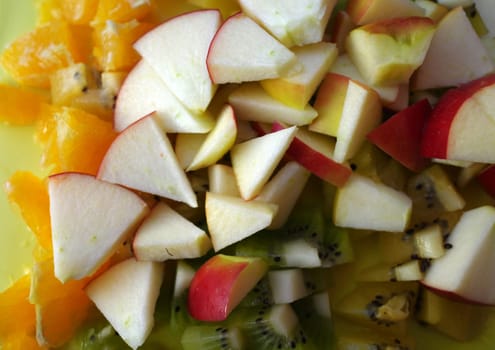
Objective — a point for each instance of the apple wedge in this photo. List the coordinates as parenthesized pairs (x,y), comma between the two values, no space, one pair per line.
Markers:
(462,124)
(243,51)
(142,158)
(297,90)
(466,270)
(368,11)
(284,190)
(365,204)
(400,135)
(187,146)
(89,219)
(218,142)
(177,51)
(221,283)
(144,92)
(129,308)
(314,152)
(387,52)
(231,219)
(221,179)
(255,160)
(251,102)
(166,235)
(294,23)
(468,58)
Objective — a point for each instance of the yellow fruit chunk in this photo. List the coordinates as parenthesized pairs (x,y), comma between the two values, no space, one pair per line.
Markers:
(122,10)
(30,194)
(78,11)
(113,44)
(60,308)
(21,341)
(31,58)
(19,106)
(17,315)
(73,140)
(48,11)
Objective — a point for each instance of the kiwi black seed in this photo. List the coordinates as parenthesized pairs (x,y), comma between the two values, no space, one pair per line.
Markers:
(212,337)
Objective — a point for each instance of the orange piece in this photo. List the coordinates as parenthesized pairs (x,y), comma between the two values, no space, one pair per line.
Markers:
(48,11)
(13,107)
(78,11)
(74,140)
(30,194)
(17,315)
(21,341)
(122,10)
(31,58)
(113,44)
(61,308)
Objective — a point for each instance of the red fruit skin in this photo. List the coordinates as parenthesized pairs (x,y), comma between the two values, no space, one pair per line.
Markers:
(437,127)
(210,290)
(400,136)
(453,296)
(487,180)
(317,163)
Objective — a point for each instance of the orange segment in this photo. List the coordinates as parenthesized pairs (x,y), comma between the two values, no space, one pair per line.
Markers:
(60,308)
(113,44)
(122,10)
(31,58)
(21,341)
(74,140)
(30,194)
(17,315)
(78,11)
(13,107)
(48,11)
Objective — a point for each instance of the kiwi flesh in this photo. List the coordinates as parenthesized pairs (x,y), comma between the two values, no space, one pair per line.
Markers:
(212,337)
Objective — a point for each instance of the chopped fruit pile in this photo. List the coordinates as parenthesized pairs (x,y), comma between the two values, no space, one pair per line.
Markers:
(252,174)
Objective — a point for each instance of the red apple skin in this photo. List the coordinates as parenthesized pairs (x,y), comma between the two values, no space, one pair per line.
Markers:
(487,180)
(453,296)
(400,135)
(317,163)
(437,127)
(210,292)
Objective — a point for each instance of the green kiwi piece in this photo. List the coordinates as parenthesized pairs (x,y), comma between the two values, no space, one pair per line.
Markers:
(212,337)
(385,306)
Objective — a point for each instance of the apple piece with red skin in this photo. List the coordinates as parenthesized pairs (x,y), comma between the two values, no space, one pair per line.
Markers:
(342,25)
(313,151)
(221,283)
(468,58)
(177,51)
(400,135)
(389,51)
(487,180)
(465,271)
(242,50)
(367,11)
(461,125)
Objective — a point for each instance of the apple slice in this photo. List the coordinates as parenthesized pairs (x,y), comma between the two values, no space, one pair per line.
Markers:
(89,219)
(187,146)
(177,51)
(367,11)
(243,51)
(365,204)
(432,9)
(231,219)
(486,178)
(314,152)
(296,90)
(284,190)
(342,26)
(293,23)
(468,58)
(462,125)
(255,160)
(142,158)
(466,270)
(221,179)
(218,142)
(400,135)
(143,92)
(166,235)
(130,307)
(251,102)
(221,283)
(387,52)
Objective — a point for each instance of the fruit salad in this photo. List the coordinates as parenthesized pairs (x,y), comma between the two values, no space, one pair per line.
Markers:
(250,174)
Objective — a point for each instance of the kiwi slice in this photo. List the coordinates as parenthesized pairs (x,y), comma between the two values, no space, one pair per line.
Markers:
(212,337)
